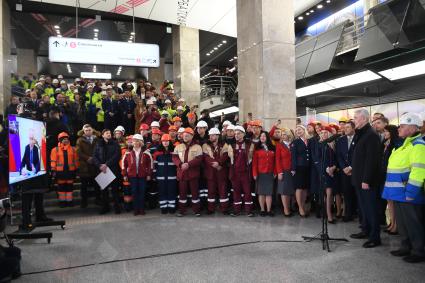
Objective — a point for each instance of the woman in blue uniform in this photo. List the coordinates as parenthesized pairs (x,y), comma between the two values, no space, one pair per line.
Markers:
(300,167)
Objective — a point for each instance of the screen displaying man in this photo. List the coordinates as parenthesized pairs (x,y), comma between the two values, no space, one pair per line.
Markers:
(31,160)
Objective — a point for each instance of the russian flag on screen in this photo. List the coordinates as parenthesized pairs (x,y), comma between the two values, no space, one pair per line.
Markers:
(14,145)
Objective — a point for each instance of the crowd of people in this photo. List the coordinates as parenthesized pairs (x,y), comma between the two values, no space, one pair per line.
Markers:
(163,154)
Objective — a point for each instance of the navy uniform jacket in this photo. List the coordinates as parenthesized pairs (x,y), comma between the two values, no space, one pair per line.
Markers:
(300,154)
(126,106)
(109,106)
(328,157)
(35,159)
(343,153)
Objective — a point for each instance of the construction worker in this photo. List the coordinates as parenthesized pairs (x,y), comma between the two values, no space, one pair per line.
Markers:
(128,197)
(64,164)
(165,174)
(119,133)
(215,161)
(188,158)
(405,186)
(240,155)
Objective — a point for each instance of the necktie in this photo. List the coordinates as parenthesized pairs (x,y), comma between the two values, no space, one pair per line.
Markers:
(31,158)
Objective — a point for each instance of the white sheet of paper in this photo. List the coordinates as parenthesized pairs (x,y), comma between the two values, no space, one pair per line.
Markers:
(104,179)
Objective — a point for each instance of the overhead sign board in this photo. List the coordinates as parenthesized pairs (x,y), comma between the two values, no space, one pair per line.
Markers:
(93,75)
(103,52)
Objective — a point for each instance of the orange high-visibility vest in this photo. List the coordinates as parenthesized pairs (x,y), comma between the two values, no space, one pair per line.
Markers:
(57,161)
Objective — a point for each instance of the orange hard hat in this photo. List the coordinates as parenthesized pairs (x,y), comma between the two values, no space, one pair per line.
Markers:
(191,115)
(172,128)
(63,135)
(175,119)
(256,123)
(144,127)
(165,137)
(189,131)
(156,131)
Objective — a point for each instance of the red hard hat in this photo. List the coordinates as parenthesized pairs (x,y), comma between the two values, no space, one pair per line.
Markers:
(166,137)
(189,131)
(144,127)
(156,131)
(172,128)
(63,135)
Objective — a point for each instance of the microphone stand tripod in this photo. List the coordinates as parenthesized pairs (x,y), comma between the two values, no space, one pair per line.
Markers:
(323,236)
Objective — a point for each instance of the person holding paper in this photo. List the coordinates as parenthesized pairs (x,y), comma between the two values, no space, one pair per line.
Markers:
(138,169)
(107,155)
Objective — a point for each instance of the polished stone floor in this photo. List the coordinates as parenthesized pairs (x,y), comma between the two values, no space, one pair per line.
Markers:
(157,248)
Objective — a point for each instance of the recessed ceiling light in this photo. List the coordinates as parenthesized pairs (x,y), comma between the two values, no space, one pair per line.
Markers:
(208,54)
(95,38)
(57,27)
(224,41)
(59,35)
(130,41)
(220,45)
(132,33)
(328,1)
(307,13)
(235,57)
(215,48)
(96,30)
(320,6)
(58,31)
(300,18)
(311,11)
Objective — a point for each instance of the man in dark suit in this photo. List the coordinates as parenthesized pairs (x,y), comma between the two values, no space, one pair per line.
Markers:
(31,159)
(126,108)
(110,107)
(365,177)
(344,152)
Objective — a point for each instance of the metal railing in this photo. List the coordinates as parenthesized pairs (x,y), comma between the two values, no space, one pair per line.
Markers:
(223,86)
(351,35)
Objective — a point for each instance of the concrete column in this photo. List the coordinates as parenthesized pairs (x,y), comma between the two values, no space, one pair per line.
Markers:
(27,61)
(157,75)
(186,64)
(367,4)
(5,58)
(266,61)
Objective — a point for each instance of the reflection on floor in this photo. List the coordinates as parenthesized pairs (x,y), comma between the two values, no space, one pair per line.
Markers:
(158,248)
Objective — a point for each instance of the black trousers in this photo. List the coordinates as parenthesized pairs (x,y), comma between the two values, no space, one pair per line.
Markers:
(27,199)
(368,204)
(113,187)
(349,193)
(10,261)
(88,182)
(409,219)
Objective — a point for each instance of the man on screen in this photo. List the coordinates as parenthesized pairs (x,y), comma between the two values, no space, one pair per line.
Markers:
(31,160)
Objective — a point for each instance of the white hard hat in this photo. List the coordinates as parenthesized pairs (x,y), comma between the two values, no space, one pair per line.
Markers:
(38,84)
(167,101)
(58,90)
(202,124)
(63,82)
(182,100)
(120,129)
(230,127)
(75,90)
(149,102)
(180,108)
(28,90)
(77,80)
(411,119)
(55,81)
(214,131)
(108,87)
(90,85)
(240,128)
(155,124)
(226,123)
(60,77)
(138,137)
(181,130)
(41,79)
(153,99)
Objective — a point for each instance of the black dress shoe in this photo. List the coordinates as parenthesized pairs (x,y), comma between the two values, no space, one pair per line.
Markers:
(371,244)
(360,235)
(332,221)
(414,258)
(270,213)
(43,219)
(392,233)
(399,253)
(263,213)
(287,215)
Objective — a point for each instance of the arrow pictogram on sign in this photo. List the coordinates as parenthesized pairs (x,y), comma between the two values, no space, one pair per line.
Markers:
(56,43)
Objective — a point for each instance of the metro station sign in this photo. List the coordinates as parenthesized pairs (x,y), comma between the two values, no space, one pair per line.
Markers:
(103,52)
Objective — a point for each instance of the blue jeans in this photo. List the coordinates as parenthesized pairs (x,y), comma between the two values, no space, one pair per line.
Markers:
(138,187)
